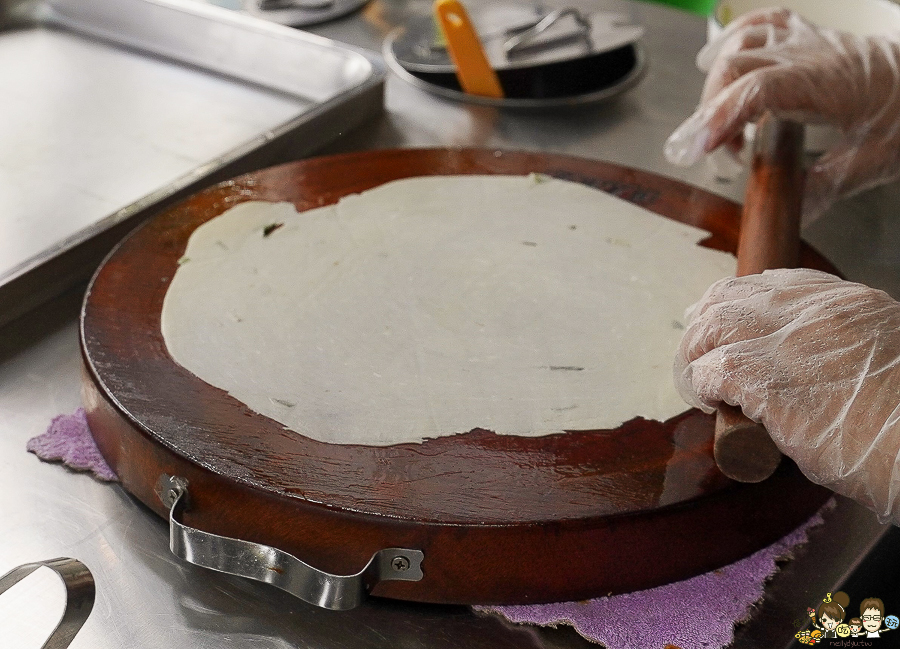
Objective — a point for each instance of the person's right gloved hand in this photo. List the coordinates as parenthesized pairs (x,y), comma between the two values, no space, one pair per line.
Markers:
(817,360)
(774,60)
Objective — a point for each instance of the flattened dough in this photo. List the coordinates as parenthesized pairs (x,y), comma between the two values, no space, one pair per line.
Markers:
(432,306)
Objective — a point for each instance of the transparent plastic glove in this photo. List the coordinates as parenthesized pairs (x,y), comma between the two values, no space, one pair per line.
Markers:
(775,60)
(817,360)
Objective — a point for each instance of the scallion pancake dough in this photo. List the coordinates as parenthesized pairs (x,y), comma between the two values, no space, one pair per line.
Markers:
(433,306)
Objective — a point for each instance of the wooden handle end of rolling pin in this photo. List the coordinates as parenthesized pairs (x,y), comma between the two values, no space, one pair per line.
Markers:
(769,238)
(743,449)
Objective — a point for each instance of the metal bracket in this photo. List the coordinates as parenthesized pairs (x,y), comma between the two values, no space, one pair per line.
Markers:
(273,566)
(80,592)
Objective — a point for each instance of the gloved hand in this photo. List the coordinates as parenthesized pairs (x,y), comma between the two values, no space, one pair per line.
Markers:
(817,360)
(775,60)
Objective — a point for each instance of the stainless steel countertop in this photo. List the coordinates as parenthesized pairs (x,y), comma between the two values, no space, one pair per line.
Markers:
(629,130)
(146,598)
(861,236)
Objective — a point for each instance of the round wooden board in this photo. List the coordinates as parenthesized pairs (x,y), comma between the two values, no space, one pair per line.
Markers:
(500,519)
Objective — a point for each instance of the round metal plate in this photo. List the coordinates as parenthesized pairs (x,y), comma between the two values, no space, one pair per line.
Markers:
(590,80)
(418,48)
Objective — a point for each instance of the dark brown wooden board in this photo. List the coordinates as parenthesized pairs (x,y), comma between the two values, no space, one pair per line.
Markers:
(500,519)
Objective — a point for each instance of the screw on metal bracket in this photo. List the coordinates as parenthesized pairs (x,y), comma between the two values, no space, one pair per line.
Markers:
(400,563)
(170,488)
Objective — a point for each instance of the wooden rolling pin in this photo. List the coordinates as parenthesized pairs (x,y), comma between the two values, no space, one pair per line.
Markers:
(769,238)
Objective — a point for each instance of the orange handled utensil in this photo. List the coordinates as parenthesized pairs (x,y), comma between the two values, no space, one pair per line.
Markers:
(475,74)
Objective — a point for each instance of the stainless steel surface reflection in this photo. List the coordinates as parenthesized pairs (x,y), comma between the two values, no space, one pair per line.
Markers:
(146,598)
(629,130)
(861,235)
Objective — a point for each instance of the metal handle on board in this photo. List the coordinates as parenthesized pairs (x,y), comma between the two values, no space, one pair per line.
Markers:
(273,566)
(80,592)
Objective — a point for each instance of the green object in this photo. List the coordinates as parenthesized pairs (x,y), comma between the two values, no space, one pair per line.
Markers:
(702,7)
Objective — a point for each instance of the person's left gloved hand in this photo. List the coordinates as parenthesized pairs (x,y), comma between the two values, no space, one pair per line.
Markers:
(814,358)
(774,60)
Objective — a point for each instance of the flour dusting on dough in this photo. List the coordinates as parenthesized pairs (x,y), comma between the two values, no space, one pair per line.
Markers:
(432,306)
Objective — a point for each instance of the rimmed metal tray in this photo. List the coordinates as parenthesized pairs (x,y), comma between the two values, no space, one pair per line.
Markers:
(114,109)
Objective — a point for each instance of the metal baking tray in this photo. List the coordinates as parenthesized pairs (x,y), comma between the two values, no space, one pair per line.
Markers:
(111,110)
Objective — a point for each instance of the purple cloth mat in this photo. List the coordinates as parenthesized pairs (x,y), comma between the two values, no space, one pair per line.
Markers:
(698,613)
(69,440)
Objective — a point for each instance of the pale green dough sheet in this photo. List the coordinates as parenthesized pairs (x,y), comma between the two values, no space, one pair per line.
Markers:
(432,306)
